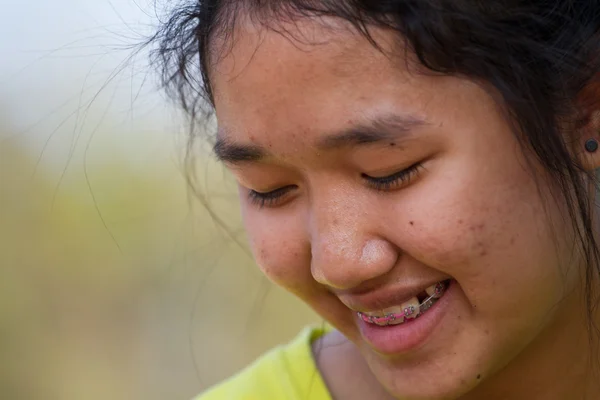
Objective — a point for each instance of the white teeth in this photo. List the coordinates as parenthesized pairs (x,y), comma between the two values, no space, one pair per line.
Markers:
(410,308)
(393,310)
(436,290)
(397,312)
(398,320)
(431,290)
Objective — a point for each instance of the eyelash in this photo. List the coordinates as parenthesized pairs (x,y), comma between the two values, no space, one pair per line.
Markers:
(393,181)
(268,199)
(386,183)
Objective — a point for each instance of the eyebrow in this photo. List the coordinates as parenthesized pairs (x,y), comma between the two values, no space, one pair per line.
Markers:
(384,128)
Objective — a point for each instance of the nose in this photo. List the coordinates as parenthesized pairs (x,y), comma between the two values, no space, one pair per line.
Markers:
(346,247)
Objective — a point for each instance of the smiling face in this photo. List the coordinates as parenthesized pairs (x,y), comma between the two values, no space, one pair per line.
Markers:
(363,181)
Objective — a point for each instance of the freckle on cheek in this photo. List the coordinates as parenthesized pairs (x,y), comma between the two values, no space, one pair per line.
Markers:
(478,227)
(412,222)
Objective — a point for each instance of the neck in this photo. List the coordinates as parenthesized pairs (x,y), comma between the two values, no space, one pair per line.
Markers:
(561,363)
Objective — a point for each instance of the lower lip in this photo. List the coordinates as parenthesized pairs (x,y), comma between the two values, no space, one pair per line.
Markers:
(402,338)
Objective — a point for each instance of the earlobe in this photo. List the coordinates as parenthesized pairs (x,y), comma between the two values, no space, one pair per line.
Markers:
(590,157)
(589,153)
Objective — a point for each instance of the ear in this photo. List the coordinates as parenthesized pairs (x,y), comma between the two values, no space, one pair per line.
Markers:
(587,125)
(588,158)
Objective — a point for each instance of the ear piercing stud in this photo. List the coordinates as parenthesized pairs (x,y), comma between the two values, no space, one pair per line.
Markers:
(591,145)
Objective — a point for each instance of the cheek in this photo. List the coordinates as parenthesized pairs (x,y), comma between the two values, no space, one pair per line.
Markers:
(279,246)
(456,236)
(497,243)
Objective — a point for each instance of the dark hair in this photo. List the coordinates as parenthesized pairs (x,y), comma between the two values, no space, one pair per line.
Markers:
(541,57)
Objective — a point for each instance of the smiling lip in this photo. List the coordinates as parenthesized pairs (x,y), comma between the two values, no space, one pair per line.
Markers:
(374,301)
(399,339)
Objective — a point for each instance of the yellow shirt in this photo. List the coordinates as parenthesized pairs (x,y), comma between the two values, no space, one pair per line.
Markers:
(285,373)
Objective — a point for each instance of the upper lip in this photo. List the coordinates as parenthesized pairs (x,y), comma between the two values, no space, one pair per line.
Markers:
(380,299)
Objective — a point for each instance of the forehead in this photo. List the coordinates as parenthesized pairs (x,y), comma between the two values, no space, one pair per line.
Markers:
(310,46)
(312,79)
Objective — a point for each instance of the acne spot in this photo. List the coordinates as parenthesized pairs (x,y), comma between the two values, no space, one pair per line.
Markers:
(487,332)
(460,221)
(478,227)
(481,249)
(513,240)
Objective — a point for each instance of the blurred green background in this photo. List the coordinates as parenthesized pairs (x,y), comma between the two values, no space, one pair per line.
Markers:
(115,282)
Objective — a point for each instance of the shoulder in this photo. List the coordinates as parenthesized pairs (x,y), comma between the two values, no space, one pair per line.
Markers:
(263,379)
(287,372)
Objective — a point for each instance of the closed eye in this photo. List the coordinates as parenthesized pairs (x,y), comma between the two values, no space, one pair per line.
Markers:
(394,181)
(397,180)
(269,199)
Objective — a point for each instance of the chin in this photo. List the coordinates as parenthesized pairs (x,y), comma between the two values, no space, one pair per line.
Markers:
(439,369)
(424,381)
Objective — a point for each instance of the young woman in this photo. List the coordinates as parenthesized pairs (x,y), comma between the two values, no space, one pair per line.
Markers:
(421,173)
